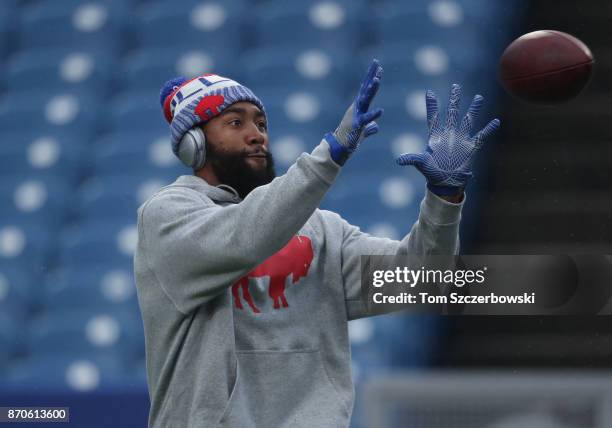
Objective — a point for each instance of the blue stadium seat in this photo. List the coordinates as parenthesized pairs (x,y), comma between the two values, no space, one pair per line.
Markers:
(49,110)
(86,331)
(98,242)
(53,154)
(424,62)
(281,95)
(60,68)
(8,28)
(98,25)
(148,68)
(195,24)
(9,334)
(143,139)
(281,125)
(361,5)
(504,12)
(139,371)
(439,21)
(407,342)
(301,68)
(115,156)
(404,104)
(25,245)
(367,198)
(31,208)
(425,22)
(301,111)
(8,7)
(333,25)
(53,374)
(116,197)
(67,237)
(109,290)
(136,110)
(36,199)
(287,144)
(17,296)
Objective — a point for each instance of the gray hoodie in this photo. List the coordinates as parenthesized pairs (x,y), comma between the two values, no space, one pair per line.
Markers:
(246,303)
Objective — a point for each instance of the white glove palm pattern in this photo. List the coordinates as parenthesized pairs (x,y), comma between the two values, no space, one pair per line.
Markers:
(447,161)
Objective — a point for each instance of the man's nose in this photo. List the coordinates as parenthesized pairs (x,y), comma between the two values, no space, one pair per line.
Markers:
(255,136)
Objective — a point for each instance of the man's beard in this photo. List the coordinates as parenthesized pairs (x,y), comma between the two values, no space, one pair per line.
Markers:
(234,170)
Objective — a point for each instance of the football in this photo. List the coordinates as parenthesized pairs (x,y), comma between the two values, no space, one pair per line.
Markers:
(546,67)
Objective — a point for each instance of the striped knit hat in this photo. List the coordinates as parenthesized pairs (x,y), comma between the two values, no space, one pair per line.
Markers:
(187,103)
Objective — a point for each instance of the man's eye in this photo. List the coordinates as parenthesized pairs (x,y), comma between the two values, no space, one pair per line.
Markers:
(263,125)
(235,122)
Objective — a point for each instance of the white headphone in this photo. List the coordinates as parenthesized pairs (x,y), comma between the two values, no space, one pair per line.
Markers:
(192,148)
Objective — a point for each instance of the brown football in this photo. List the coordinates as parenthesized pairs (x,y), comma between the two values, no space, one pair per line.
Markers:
(546,67)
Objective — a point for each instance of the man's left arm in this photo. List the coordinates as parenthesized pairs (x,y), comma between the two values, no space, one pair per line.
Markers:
(446,165)
(435,232)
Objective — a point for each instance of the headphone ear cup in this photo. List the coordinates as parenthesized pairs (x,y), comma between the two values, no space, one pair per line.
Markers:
(192,148)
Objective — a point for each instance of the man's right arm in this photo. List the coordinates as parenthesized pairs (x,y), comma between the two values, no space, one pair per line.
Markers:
(197,249)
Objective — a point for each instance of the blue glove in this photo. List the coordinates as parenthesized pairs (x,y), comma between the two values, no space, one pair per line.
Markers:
(357,123)
(447,161)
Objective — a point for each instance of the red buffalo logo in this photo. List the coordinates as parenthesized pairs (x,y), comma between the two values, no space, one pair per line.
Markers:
(210,103)
(293,259)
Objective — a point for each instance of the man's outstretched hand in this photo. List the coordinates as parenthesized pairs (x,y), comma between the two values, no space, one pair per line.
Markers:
(358,122)
(447,161)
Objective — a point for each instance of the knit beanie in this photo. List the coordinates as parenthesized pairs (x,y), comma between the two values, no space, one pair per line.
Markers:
(187,103)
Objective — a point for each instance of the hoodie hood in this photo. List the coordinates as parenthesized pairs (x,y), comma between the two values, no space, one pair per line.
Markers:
(220,193)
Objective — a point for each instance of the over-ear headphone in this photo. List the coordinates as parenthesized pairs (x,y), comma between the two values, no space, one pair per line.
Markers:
(192,148)
(196,101)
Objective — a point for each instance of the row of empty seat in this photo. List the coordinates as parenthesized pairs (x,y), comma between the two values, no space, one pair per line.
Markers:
(84,143)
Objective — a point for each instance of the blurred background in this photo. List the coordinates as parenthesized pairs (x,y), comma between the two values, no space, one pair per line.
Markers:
(83,143)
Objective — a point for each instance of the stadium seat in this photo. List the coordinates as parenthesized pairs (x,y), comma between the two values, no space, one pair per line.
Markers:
(407,341)
(141,152)
(368,199)
(37,199)
(194,24)
(302,112)
(97,25)
(505,12)
(9,333)
(337,26)
(62,373)
(424,62)
(361,5)
(404,104)
(17,296)
(119,153)
(301,68)
(116,197)
(287,143)
(49,111)
(148,68)
(84,70)
(25,245)
(426,22)
(86,331)
(52,154)
(75,287)
(32,208)
(85,143)
(8,29)
(143,139)
(94,243)
(135,110)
